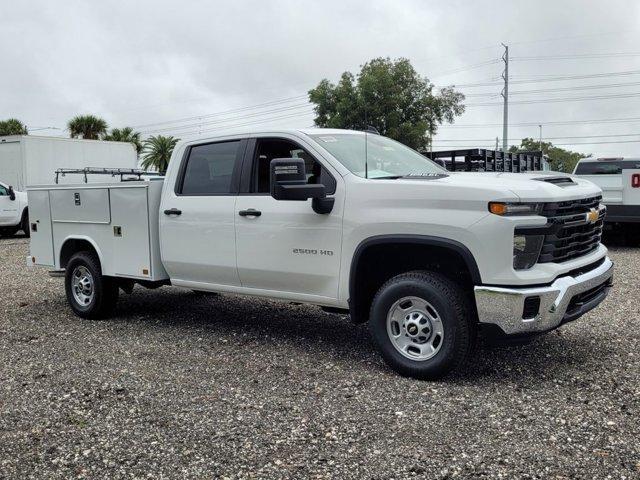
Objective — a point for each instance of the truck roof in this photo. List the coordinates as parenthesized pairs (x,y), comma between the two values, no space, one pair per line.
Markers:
(607,159)
(276,130)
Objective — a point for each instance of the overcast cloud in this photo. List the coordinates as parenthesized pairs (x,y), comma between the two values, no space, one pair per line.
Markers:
(145,62)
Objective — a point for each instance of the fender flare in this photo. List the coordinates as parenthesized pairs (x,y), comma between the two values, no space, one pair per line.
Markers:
(426,240)
(79,237)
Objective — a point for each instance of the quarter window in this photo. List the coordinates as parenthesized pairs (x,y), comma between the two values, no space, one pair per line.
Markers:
(209,169)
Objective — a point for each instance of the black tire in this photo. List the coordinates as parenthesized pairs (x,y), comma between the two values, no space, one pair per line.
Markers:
(632,235)
(203,293)
(24,224)
(8,231)
(454,311)
(105,289)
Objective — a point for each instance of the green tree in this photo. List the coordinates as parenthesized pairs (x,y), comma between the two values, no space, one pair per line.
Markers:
(88,127)
(12,126)
(156,152)
(560,160)
(390,96)
(125,134)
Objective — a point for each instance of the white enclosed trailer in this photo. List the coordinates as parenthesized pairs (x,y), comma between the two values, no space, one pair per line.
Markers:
(33,160)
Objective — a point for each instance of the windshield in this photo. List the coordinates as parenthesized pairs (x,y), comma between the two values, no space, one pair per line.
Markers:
(385,157)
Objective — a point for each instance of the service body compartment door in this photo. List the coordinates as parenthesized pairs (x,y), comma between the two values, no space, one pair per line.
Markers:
(130,230)
(84,205)
(41,244)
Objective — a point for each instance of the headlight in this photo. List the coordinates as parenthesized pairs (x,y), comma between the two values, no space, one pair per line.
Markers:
(526,250)
(508,209)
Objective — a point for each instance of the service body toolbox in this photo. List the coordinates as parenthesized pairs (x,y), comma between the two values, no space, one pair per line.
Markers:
(120,220)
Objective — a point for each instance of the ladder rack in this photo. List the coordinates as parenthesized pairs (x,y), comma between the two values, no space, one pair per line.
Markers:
(114,172)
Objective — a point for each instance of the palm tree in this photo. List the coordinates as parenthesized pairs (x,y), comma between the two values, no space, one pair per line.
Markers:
(13,126)
(157,151)
(125,134)
(88,127)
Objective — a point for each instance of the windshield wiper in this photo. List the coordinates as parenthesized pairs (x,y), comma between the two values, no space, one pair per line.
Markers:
(387,177)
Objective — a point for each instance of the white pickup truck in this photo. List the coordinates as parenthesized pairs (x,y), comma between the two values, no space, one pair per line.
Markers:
(14,214)
(350,221)
(619,179)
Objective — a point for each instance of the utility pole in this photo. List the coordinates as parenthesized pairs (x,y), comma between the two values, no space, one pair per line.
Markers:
(540,139)
(505,95)
(496,144)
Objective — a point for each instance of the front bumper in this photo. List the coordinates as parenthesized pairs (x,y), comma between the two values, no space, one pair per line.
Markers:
(564,300)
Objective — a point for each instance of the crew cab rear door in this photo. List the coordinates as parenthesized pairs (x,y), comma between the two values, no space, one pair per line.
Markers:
(285,246)
(197,214)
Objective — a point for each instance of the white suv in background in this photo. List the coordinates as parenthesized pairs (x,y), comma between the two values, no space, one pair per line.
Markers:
(14,214)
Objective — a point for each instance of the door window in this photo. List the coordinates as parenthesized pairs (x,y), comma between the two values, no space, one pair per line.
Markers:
(209,169)
(3,191)
(268,149)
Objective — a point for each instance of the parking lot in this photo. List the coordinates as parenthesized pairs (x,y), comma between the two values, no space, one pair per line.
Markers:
(179,385)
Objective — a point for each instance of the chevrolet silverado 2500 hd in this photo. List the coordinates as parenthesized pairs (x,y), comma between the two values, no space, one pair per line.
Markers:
(346,220)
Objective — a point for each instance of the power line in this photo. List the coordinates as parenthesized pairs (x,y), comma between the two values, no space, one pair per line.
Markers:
(197,117)
(449,147)
(232,119)
(492,83)
(555,100)
(553,122)
(254,122)
(546,138)
(465,69)
(577,87)
(579,56)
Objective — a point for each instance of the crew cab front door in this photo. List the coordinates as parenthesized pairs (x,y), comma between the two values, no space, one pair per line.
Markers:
(284,246)
(197,215)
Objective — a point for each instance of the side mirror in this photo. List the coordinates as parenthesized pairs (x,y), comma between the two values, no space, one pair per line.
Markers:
(12,194)
(289,182)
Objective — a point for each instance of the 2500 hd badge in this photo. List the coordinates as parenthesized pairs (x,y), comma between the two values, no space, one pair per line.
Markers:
(313,251)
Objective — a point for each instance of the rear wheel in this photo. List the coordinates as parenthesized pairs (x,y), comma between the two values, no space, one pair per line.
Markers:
(24,224)
(423,324)
(89,293)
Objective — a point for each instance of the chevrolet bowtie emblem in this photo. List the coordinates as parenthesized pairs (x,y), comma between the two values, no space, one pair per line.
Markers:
(592,215)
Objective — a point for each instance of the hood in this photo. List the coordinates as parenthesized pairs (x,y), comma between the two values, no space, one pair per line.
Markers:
(527,187)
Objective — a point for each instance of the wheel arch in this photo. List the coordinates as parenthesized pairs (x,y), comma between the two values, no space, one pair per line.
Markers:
(75,244)
(433,247)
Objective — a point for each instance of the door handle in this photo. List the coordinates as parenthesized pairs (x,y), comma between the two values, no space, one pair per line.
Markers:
(250,213)
(173,211)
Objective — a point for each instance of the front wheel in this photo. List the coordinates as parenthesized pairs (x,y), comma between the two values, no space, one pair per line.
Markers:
(8,231)
(423,324)
(89,293)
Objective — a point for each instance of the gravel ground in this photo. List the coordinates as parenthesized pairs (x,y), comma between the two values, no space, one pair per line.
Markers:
(181,386)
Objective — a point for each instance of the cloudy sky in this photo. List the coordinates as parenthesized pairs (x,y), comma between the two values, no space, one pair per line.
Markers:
(187,67)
